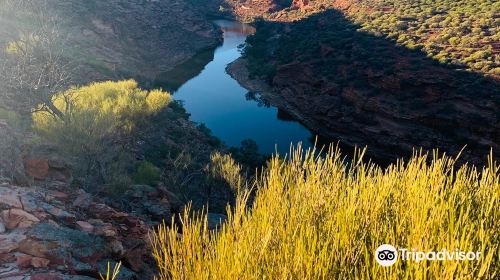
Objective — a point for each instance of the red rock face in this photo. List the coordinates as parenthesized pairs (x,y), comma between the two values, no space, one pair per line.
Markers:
(444,120)
(365,90)
(17,218)
(37,168)
(249,9)
(300,4)
(36,245)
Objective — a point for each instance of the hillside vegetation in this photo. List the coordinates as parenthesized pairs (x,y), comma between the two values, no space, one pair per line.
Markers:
(345,80)
(463,33)
(323,218)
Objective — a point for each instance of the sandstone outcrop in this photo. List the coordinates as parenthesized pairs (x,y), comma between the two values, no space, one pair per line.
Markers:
(37,241)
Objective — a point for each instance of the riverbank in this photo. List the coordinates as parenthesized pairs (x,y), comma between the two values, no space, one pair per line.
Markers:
(365,90)
(239,72)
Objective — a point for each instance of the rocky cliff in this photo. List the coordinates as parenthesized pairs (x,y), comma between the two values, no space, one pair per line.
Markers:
(54,227)
(48,234)
(126,39)
(363,89)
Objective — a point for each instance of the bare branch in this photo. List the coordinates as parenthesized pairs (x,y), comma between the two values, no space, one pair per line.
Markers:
(33,67)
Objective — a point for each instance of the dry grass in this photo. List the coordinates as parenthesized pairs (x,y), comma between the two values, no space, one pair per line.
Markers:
(323,218)
(111,275)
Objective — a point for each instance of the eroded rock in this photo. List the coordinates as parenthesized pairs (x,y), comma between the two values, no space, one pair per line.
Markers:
(53,234)
(37,168)
(18,218)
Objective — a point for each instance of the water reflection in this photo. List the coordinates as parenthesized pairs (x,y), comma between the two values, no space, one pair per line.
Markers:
(229,27)
(174,79)
(233,115)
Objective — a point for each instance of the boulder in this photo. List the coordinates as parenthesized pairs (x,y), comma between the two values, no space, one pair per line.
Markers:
(68,242)
(17,218)
(37,169)
(58,212)
(23,261)
(7,258)
(85,226)
(10,242)
(41,249)
(115,248)
(9,198)
(39,262)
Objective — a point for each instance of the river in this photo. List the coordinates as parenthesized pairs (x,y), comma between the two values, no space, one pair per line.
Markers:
(215,99)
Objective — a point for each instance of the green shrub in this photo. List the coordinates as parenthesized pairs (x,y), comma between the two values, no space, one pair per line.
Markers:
(12,118)
(98,120)
(147,174)
(248,154)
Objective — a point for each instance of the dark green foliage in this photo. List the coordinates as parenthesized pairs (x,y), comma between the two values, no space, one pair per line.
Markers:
(147,174)
(214,141)
(342,50)
(258,51)
(248,154)
(463,33)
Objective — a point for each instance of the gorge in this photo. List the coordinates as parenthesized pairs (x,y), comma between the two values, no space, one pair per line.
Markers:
(171,138)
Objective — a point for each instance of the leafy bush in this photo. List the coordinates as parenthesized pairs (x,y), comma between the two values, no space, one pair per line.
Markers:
(248,154)
(98,119)
(322,218)
(147,173)
(12,118)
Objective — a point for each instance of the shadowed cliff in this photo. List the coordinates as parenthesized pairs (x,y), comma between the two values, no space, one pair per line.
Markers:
(365,90)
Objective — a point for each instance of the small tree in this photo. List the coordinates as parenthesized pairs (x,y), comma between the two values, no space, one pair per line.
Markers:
(32,64)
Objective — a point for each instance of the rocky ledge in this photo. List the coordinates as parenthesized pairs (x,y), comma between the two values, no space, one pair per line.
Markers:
(51,229)
(358,118)
(55,234)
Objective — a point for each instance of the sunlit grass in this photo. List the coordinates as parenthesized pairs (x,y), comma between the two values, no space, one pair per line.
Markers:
(322,218)
(111,275)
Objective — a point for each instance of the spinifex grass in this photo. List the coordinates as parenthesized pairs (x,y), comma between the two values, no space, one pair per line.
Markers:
(322,218)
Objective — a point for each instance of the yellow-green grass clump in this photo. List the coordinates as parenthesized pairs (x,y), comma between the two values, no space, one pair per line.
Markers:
(323,218)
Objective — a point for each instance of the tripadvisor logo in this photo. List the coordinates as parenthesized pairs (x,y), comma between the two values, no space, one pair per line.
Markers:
(387,255)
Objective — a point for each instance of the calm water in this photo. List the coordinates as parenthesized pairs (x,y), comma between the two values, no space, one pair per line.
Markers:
(218,101)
